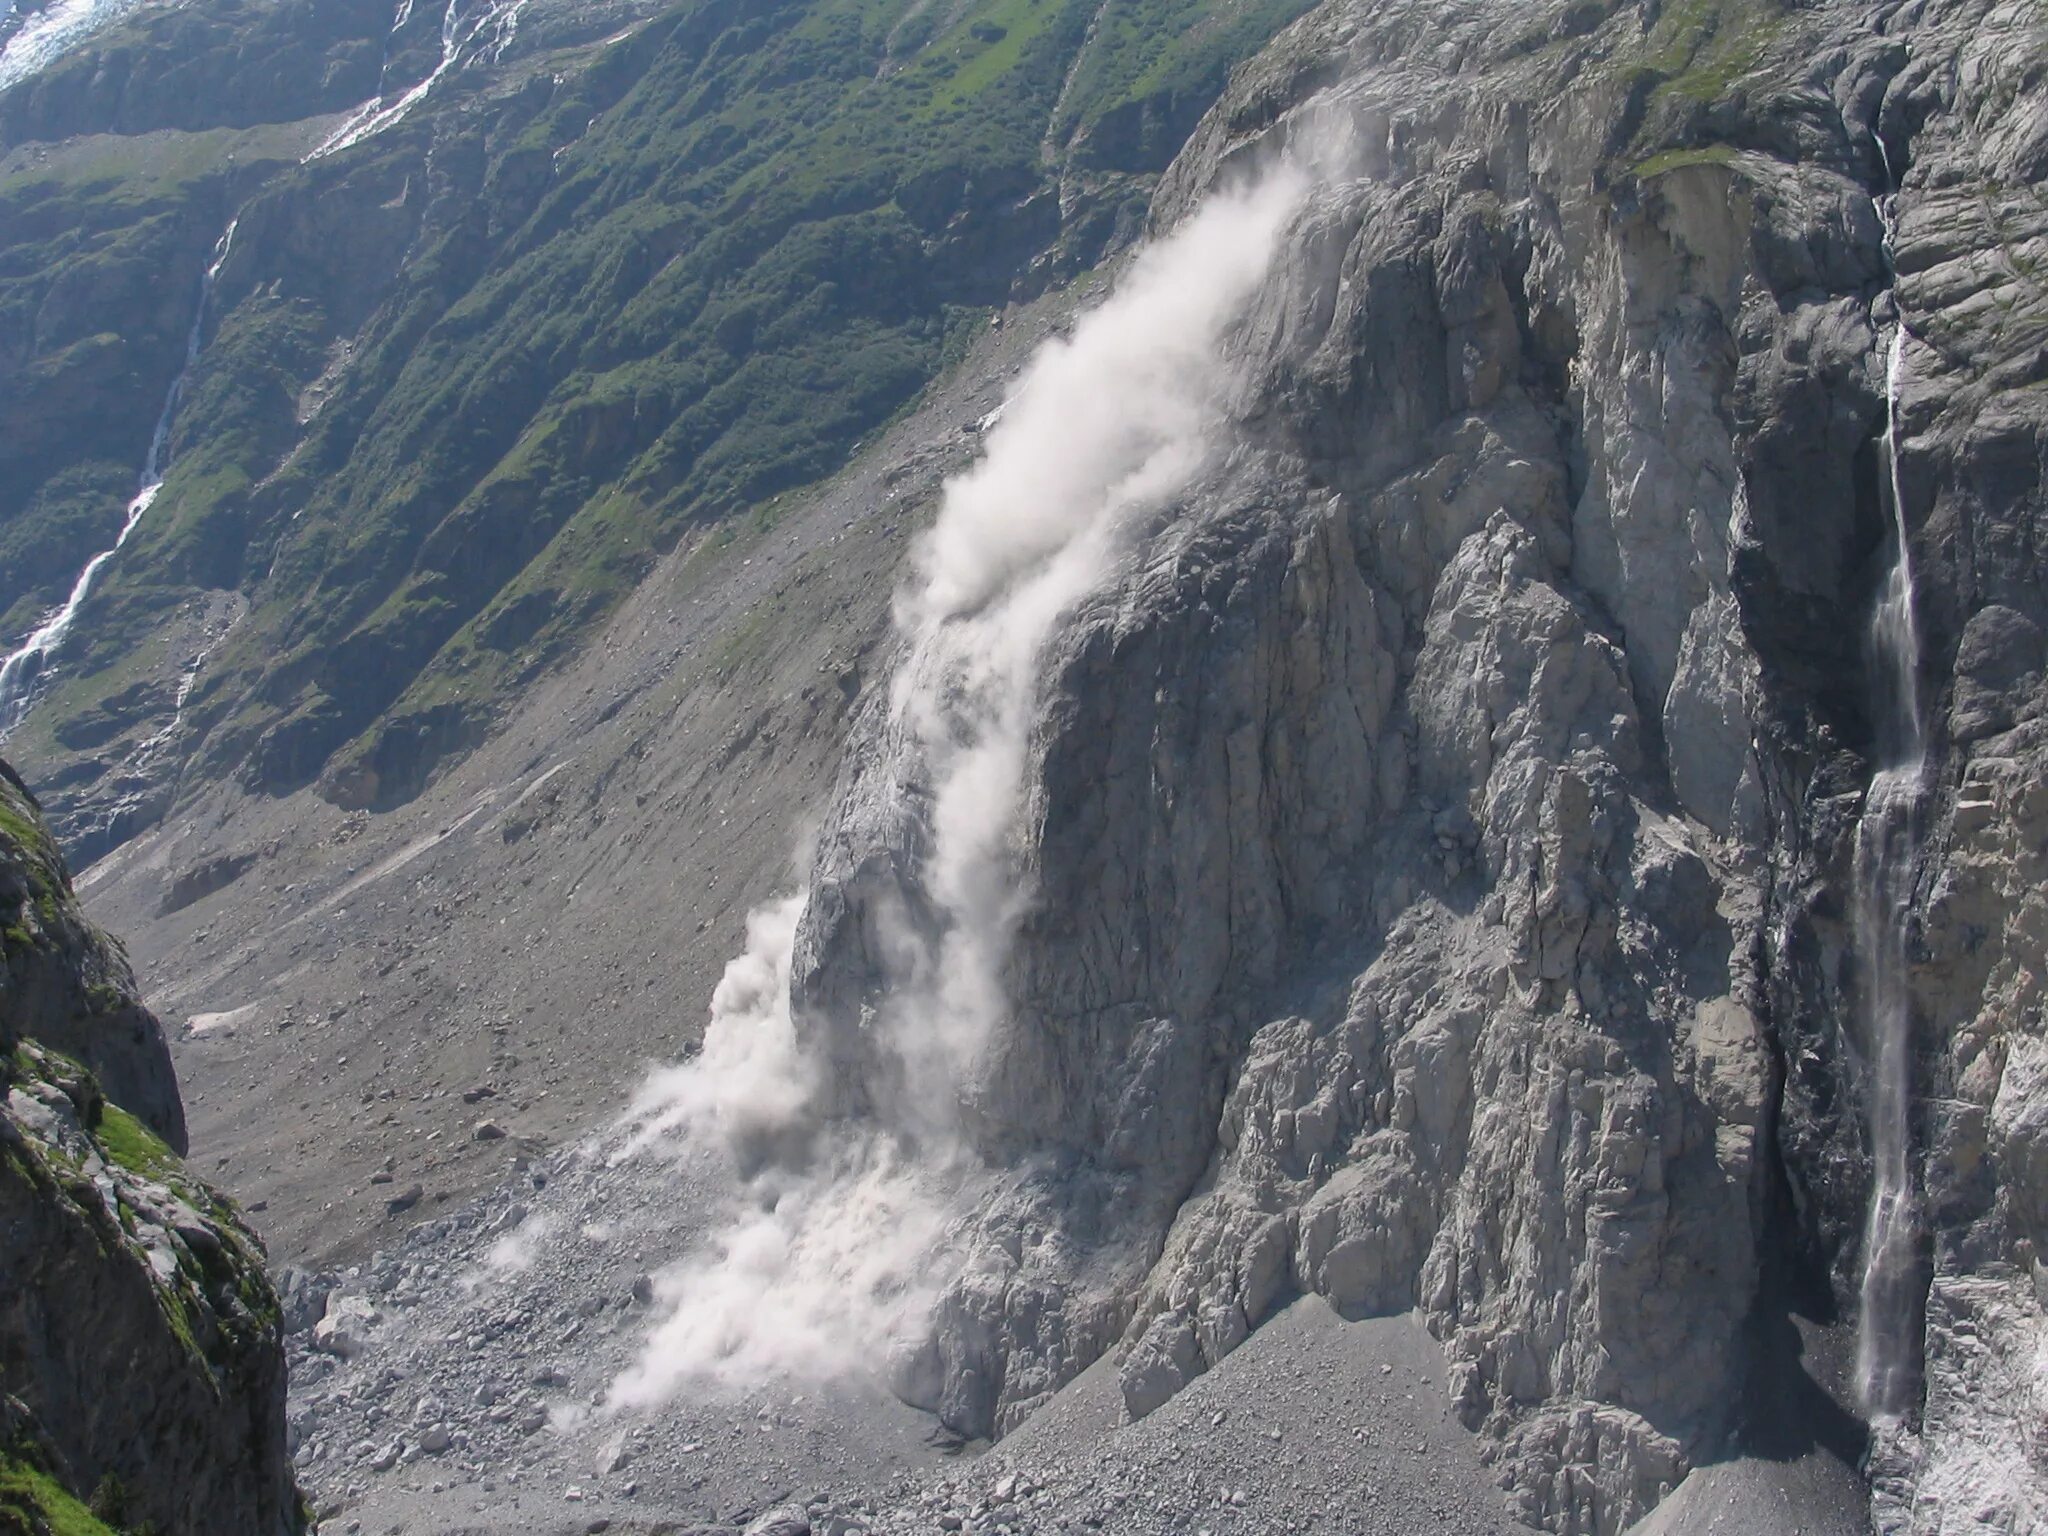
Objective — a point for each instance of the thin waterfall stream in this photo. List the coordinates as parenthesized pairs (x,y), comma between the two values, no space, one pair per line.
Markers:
(30,662)
(1888,836)
(457,33)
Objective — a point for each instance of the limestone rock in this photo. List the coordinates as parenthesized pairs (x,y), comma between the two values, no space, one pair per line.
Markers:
(1439,826)
(784,1520)
(347,1327)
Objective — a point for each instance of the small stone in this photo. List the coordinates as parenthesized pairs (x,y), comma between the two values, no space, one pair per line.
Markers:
(784,1520)
(487,1130)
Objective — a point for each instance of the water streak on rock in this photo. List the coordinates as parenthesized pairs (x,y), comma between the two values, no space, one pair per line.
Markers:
(1887,847)
(30,663)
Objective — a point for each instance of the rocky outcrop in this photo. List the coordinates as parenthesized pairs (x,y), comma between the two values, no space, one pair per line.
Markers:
(67,985)
(1440,826)
(141,1359)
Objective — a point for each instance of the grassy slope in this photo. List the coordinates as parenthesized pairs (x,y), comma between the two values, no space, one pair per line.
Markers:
(91,333)
(643,288)
(33,1503)
(725,283)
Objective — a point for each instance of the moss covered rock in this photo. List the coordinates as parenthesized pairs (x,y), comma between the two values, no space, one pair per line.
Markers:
(142,1373)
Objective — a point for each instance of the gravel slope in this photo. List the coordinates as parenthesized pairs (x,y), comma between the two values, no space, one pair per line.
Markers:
(461,1387)
(551,917)
(469,1398)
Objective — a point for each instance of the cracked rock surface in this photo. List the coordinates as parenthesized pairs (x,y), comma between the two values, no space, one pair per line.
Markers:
(1441,821)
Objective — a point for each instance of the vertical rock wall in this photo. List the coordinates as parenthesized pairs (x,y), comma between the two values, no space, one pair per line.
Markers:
(1441,825)
(141,1356)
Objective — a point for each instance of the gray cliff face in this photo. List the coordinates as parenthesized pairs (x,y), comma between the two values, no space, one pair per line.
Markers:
(1442,823)
(141,1358)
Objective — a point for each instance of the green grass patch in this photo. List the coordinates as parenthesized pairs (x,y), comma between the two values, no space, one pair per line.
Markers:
(127,1141)
(1679,159)
(982,48)
(141,168)
(1704,47)
(36,1504)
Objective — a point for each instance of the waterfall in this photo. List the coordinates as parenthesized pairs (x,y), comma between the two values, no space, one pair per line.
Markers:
(1887,847)
(155,746)
(28,665)
(376,115)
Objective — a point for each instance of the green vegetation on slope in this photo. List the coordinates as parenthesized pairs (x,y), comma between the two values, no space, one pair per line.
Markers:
(640,286)
(1153,67)
(1690,69)
(32,1503)
(127,1141)
(92,332)
(1703,47)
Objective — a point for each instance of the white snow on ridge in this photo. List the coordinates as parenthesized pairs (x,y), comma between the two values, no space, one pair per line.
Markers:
(50,33)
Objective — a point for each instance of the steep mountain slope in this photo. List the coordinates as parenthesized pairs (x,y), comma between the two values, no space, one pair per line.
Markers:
(141,1360)
(1448,819)
(575,285)
(551,915)
(1478,855)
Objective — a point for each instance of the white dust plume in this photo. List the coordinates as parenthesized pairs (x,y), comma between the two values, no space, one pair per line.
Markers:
(829,1262)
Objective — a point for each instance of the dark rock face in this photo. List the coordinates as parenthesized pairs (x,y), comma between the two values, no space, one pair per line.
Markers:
(68,986)
(1442,822)
(141,1358)
(204,878)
